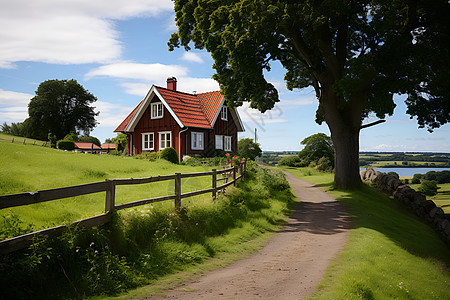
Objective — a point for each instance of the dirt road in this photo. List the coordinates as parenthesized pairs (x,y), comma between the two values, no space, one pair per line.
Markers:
(291,264)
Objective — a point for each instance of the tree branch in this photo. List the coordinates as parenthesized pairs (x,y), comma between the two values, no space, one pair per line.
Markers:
(372,124)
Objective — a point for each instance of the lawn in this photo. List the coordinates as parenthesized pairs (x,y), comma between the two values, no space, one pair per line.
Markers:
(26,168)
(391,254)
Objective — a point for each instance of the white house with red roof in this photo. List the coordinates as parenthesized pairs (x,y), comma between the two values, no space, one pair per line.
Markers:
(190,123)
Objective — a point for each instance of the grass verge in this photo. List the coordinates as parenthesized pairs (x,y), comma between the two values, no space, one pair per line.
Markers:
(391,254)
(147,244)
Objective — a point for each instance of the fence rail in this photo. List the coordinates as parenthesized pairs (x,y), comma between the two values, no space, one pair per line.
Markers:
(229,175)
(25,141)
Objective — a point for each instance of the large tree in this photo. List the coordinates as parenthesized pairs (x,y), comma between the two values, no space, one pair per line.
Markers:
(61,107)
(355,54)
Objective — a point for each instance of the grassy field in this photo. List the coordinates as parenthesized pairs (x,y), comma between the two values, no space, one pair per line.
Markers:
(149,244)
(26,168)
(442,199)
(21,140)
(390,254)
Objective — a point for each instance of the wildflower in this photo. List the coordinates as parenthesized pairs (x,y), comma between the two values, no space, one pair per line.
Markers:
(228,154)
(92,244)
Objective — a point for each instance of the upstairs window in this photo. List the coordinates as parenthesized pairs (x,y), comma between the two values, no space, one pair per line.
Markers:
(224,113)
(157,110)
(197,141)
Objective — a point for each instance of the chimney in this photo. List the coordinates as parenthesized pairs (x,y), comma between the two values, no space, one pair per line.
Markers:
(172,83)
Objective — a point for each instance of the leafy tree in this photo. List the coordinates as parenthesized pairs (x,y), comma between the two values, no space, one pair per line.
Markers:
(121,141)
(72,136)
(355,54)
(249,149)
(428,187)
(60,107)
(317,146)
(90,139)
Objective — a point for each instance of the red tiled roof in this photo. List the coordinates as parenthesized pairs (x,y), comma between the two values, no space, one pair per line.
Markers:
(186,107)
(86,146)
(192,110)
(210,104)
(108,146)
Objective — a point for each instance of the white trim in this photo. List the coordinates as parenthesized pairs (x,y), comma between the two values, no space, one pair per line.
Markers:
(144,105)
(218,112)
(224,113)
(195,140)
(227,142)
(165,141)
(216,145)
(154,106)
(152,141)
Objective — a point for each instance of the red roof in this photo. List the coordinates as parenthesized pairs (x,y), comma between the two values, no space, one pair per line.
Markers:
(193,110)
(108,146)
(86,146)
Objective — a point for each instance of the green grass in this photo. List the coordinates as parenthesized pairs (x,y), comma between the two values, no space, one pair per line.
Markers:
(21,140)
(26,168)
(149,244)
(442,199)
(391,254)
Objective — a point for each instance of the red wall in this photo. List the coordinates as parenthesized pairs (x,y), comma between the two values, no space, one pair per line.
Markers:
(168,123)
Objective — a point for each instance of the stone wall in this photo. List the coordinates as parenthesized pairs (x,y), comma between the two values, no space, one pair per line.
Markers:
(416,201)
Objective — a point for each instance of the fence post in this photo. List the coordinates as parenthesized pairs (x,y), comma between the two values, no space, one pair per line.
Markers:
(110,196)
(234,175)
(214,183)
(245,169)
(177,191)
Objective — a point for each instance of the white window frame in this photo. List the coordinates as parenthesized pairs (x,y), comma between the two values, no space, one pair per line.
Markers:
(156,110)
(227,143)
(219,142)
(224,113)
(150,143)
(163,145)
(197,139)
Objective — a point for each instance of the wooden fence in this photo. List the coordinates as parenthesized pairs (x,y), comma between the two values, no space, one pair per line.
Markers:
(25,141)
(229,176)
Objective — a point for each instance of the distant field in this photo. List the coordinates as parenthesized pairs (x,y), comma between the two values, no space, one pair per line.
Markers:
(398,163)
(442,199)
(25,168)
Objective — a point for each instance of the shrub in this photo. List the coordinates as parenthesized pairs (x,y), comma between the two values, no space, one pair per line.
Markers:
(66,145)
(151,156)
(428,187)
(324,164)
(395,174)
(289,161)
(169,154)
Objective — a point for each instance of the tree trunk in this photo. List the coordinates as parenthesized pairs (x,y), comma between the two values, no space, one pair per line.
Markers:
(346,158)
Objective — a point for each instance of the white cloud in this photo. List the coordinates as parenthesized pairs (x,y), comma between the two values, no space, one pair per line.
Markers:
(14,98)
(66,32)
(254,118)
(13,114)
(192,57)
(111,114)
(144,75)
(151,72)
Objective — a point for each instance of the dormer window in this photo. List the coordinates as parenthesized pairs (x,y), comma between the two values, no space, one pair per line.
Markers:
(157,110)
(224,113)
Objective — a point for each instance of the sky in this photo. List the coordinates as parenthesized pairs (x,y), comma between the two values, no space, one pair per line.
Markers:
(117,49)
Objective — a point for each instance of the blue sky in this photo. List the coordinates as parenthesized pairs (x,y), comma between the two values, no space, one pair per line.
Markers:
(118,49)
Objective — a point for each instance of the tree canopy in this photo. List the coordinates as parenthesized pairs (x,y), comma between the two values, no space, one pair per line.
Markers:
(249,149)
(60,107)
(355,54)
(317,146)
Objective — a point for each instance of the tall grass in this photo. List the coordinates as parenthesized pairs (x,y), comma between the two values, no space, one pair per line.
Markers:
(149,242)
(391,254)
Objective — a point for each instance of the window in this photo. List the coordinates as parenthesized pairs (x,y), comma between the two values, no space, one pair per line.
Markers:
(164,139)
(197,140)
(224,113)
(219,142)
(227,143)
(157,110)
(148,142)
